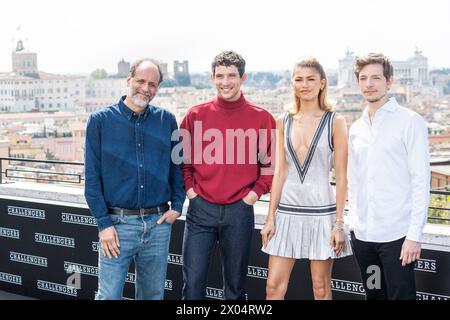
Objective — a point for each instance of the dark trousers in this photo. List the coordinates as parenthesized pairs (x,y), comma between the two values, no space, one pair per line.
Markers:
(395,281)
(208,224)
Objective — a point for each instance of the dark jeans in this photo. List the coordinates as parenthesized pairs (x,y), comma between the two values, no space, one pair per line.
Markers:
(207,224)
(396,282)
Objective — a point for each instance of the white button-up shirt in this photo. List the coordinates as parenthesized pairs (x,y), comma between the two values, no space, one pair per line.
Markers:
(389,175)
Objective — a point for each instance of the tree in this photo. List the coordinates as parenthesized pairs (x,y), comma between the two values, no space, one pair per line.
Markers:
(439,208)
(49,155)
(168,83)
(99,74)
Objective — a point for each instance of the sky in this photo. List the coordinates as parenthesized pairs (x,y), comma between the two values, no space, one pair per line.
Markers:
(80,36)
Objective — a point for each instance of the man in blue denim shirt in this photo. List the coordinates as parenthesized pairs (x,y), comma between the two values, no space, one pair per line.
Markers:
(130,178)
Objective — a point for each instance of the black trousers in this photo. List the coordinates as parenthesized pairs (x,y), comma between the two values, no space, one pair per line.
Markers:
(382,273)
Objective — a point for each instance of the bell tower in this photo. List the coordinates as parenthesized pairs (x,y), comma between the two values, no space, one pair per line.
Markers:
(24,62)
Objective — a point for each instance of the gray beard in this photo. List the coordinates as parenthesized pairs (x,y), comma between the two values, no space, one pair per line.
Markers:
(138,102)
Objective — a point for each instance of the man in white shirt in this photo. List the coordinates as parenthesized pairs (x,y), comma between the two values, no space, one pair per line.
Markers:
(389,181)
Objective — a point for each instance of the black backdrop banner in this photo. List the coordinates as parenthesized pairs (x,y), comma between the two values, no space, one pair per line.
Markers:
(49,251)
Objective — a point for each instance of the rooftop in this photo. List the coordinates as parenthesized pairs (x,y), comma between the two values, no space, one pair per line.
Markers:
(445,169)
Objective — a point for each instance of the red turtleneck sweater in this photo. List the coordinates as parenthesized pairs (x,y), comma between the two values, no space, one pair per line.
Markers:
(225,137)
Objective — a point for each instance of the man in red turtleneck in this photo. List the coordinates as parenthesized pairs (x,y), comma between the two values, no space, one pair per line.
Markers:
(227,167)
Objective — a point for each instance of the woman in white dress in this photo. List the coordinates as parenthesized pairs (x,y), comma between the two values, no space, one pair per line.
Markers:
(305,219)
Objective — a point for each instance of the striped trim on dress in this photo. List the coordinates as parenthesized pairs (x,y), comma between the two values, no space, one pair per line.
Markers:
(307,210)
